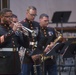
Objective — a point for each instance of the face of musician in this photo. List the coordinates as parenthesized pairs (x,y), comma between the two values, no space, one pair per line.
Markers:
(31,14)
(15,19)
(44,20)
(6,17)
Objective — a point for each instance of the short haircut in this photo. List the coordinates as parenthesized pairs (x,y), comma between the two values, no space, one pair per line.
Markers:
(31,7)
(43,15)
(3,11)
(14,16)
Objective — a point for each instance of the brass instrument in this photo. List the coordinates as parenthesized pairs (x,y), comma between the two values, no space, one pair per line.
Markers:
(55,41)
(43,58)
(25,29)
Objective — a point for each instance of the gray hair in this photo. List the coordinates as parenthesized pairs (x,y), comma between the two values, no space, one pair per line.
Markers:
(31,7)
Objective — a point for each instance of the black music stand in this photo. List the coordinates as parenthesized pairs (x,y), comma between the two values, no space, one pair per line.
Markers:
(61,17)
(71,52)
(67,43)
(56,50)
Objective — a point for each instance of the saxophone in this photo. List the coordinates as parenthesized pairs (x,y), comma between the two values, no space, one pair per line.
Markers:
(43,58)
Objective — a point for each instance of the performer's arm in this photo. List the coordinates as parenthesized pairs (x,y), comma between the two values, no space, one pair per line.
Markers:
(4,37)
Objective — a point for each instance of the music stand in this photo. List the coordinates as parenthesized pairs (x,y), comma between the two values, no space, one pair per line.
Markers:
(56,50)
(71,52)
(61,17)
(67,43)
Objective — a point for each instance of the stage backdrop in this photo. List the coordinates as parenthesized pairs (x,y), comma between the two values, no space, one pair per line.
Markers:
(44,6)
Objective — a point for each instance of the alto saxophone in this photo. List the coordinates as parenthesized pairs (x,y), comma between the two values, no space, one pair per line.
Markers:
(43,58)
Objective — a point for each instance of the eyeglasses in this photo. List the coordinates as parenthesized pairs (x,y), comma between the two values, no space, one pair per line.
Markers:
(33,14)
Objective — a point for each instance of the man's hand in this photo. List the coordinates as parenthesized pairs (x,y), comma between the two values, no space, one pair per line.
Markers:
(49,47)
(16,26)
(35,57)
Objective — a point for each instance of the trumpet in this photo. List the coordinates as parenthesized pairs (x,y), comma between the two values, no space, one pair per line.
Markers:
(25,29)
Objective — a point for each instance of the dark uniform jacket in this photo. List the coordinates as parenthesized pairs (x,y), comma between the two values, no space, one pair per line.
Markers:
(47,36)
(9,60)
(32,39)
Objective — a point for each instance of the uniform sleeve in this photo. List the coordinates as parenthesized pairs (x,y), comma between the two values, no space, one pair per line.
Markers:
(22,39)
(25,41)
(51,38)
(6,36)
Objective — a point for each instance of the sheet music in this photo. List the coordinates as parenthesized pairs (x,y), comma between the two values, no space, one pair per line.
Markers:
(52,48)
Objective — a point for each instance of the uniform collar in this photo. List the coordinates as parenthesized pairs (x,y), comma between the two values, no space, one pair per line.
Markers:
(28,20)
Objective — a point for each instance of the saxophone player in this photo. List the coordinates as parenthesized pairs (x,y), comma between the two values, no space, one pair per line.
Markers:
(48,34)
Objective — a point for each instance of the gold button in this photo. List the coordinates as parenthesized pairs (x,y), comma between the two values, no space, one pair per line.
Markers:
(8,28)
(29,21)
(12,38)
(13,41)
(45,35)
(3,56)
(9,33)
(14,49)
(31,24)
(12,31)
(33,40)
(51,57)
(13,45)
(31,27)
(42,27)
(44,32)
(5,25)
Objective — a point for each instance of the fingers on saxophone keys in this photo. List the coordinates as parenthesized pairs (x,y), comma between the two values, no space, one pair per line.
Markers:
(47,48)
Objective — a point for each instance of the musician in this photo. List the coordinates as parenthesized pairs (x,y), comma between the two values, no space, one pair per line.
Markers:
(48,36)
(29,59)
(10,40)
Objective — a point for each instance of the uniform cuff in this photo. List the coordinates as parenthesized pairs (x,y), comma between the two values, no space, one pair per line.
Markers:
(9,34)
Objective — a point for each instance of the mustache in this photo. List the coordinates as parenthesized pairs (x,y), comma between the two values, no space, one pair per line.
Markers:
(6,21)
